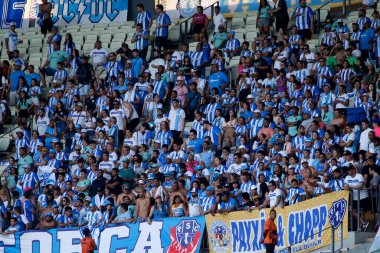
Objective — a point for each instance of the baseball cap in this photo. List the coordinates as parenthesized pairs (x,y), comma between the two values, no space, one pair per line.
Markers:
(48,214)
(52,151)
(249,96)
(193,190)
(151,176)
(232,32)
(198,167)
(210,188)
(12,23)
(87,198)
(257,111)
(180,78)
(253,187)
(339,21)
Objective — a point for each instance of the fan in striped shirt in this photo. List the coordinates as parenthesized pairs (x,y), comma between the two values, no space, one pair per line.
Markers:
(295,193)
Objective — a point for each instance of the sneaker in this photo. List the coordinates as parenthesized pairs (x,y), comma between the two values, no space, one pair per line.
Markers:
(365,226)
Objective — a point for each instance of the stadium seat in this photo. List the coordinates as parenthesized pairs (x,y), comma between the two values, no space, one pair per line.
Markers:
(239,36)
(34,49)
(91,38)
(250,36)
(105,37)
(87,48)
(130,23)
(78,38)
(113,24)
(119,37)
(237,23)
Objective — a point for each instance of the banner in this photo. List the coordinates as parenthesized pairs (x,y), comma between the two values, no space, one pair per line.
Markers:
(172,235)
(305,226)
(65,12)
(234,6)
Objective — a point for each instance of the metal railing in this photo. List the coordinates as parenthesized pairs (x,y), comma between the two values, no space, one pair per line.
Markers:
(373,210)
(184,31)
(317,14)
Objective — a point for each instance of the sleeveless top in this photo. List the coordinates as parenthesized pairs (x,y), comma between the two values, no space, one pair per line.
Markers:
(178,211)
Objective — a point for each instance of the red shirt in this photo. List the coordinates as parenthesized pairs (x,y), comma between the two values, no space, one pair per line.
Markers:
(199,19)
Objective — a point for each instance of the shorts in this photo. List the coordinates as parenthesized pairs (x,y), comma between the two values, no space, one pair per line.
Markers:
(305,33)
(48,71)
(198,28)
(23,114)
(83,90)
(365,204)
(263,22)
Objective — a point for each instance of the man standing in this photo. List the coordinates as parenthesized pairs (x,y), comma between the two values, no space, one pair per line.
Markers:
(87,243)
(281,13)
(162,28)
(140,39)
(44,16)
(270,236)
(218,20)
(11,40)
(304,17)
(177,121)
(143,17)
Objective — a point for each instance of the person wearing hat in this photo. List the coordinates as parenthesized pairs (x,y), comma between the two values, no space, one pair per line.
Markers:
(195,204)
(54,37)
(232,45)
(220,37)
(160,86)
(209,202)
(46,222)
(11,40)
(337,182)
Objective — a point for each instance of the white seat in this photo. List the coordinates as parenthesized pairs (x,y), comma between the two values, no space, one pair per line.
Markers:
(35,42)
(240,37)
(91,38)
(130,23)
(34,49)
(87,26)
(105,37)
(119,37)
(250,28)
(114,46)
(113,24)
(237,22)
(87,48)
(250,36)
(78,38)
(174,35)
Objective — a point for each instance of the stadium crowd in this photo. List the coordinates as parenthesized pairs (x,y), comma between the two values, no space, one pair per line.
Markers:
(111,145)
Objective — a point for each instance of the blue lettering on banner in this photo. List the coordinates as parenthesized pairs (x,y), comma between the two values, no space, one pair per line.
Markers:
(246,234)
(65,12)
(130,238)
(303,225)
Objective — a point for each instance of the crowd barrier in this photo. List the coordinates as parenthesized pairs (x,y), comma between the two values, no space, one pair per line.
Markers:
(301,227)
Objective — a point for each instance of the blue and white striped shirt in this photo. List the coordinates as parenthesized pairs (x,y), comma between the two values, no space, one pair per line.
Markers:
(303,22)
(144,18)
(361,22)
(254,126)
(163,19)
(141,43)
(208,202)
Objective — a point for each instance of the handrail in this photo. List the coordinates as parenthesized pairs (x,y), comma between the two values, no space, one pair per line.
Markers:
(212,6)
(317,12)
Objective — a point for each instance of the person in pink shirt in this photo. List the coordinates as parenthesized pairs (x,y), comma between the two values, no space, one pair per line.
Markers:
(181,89)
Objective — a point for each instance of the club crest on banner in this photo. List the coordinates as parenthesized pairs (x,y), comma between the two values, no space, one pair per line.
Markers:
(185,236)
(187,8)
(219,236)
(337,212)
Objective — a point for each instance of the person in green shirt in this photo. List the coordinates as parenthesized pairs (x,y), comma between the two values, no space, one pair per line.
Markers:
(23,160)
(326,114)
(127,174)
(50,66)
(351,59)
(84,183)
(293,121)
(220,38)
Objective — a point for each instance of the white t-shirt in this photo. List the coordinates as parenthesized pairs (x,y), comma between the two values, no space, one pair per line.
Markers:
(343,97)
(283,54)
(272,195)
(176,119)
(310,58)
(218,20)
(99,56)
(354,182)
(156,62)
(131,142)
(42,124)
(119,114)
(235,168)
(12,40)
(364,141)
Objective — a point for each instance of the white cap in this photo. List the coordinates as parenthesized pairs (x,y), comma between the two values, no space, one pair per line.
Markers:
(189,174)
(12,23)
(241,146)
(257,111)
(253,187)
(249,96)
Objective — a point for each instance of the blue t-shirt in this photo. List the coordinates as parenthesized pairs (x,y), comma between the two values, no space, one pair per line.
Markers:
(365,38)
(15,75)
(29,78)
(136,66)
(217,80)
